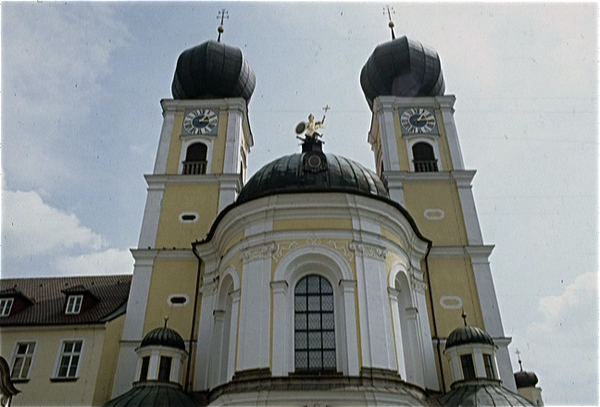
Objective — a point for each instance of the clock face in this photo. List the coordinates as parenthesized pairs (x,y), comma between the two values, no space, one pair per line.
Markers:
(418,120)
(200,121)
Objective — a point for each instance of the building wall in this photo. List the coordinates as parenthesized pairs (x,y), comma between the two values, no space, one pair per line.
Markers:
(40,389)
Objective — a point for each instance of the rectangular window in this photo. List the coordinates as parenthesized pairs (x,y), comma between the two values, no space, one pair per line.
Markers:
(490,373)
(22,361)
(74,304)
(144,371)
(164,369)
(467,367)
(5,306)
(69,359)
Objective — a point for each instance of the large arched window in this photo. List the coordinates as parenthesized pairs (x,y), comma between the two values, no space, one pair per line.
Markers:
(314,327)
(424,157)
(195,159)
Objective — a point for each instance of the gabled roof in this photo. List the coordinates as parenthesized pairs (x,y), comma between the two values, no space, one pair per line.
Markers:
(49,295)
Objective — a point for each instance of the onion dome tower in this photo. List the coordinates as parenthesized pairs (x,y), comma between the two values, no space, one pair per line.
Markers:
(526,385)
(158,378)
(402,67)
(471,354)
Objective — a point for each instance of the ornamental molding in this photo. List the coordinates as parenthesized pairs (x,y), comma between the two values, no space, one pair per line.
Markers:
(210,288)
(342,248)
(417,281)
(258,252)
(369,251)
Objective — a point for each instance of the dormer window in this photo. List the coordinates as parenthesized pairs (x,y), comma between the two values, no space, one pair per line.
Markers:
(74,304)
(5,306)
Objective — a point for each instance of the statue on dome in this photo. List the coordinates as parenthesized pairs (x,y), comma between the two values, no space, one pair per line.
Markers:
(310,128)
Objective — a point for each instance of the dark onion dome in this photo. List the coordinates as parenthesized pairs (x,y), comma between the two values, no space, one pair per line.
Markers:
(312,171)
(482,395)
(153,395)
(402,67)
(163,337)
(525,379)
(212,70)
(468,334)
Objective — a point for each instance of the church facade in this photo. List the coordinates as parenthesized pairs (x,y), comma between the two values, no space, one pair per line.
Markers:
(316,281)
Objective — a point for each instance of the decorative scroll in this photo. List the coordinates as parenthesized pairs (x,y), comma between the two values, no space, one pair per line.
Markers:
(282,250)
(258,252)
(342,249)
(369,251)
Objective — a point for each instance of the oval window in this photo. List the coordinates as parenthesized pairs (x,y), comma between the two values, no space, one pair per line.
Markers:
(188,217)
(178,300)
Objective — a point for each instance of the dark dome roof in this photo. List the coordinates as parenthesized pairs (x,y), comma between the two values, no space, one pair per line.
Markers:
(468,334)
(482,395)
(163,337)
(312,171)
(153,395)
(525,379)
(402,67)
(212,70)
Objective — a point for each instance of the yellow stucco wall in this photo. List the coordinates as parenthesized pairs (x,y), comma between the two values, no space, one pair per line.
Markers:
(454,277)
(419,196)
(312,224)
(171,276)
(203,199)
(40,390)
(108,362)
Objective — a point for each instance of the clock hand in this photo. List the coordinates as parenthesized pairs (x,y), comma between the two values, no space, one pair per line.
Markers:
(422,117)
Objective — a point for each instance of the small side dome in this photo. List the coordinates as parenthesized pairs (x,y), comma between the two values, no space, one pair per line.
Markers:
(402,67)
(468,334)
(213,70)
(163,337)
(525,379)
(157,394)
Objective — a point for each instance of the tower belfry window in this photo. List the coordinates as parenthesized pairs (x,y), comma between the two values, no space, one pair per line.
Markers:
(424,158)
(195,159)
(314,328)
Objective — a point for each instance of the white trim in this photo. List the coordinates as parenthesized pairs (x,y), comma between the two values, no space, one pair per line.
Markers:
(432,140)
(451,302)
(183,304)
(59,355)
(72,301)
(434,214)
(4,308)
(187,141)
(195,214)
(14,357)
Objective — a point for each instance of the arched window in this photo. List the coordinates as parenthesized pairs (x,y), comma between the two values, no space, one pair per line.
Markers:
(195,159)
(314,333)
(424,158)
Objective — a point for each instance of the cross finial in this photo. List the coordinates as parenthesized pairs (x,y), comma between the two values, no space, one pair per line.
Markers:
(464,317)
(389,11)
(518,352)
(222,14)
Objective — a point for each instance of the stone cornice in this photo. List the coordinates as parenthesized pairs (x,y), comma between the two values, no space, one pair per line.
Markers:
(159,181)
(439,252)
(396,178)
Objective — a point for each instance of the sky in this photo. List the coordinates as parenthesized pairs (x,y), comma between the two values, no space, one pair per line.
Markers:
(82,82)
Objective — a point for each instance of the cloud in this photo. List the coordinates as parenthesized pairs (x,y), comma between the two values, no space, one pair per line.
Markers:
(111,261)
(32,227)
(49,96)
(563,344)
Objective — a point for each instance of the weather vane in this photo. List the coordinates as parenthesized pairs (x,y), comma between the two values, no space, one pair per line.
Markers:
(222,14)
(389,11)
(310,128)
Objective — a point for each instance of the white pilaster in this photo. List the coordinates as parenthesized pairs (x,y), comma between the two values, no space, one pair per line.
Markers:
(447,109)
(217,345)
(255,310)
(384,112)
(348,291)
(375,315)
(205,332)
(232,142)
(429,369)
(467,203)
(393,293)
(279,367)
(415,370)
(160,165)
(233,340)
(151,214)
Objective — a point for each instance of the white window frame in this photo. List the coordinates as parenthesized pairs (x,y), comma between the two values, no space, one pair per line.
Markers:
(431,139)
(188,140)
(16,355)
(74,307)
(5,306)
(62,353)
